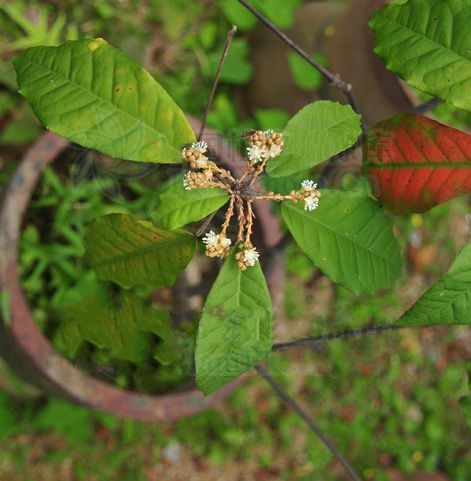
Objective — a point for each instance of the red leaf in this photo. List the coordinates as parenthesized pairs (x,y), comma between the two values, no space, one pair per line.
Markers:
(415,163)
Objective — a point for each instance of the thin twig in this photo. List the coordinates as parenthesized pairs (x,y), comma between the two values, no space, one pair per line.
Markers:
(426,106)
(230,35)
(333,78)
(362,331)
(204,225)
(241,217)
(229,214)
(258,171)
(305,417)
(249,221)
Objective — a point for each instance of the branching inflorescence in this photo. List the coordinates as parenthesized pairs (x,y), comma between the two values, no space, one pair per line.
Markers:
(261,147)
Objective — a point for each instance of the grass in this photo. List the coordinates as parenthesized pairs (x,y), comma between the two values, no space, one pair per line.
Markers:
(385,400)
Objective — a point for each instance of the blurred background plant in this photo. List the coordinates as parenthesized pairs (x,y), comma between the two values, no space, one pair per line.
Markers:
(390,401)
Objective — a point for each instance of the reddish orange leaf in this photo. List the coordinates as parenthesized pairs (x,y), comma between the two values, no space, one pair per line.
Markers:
(415,163)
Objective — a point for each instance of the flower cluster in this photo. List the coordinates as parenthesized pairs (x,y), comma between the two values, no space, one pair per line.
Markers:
(261,147)
(309,194)
(247,257)
(197,180)
(194,155)
(203,171)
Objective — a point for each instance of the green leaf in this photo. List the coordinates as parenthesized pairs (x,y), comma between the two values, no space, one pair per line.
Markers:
(90,313)
(237,14)
(235,330)
(94,95)
(280,12)
(448,302)
(317,132)
(305,76)
(349,238)
(134,253)
(428,44)
(177,207)
(236,69)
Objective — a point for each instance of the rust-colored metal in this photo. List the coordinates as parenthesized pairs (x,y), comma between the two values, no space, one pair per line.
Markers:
(29,354)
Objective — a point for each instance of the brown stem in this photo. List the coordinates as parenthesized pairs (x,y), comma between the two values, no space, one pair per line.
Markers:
(258,171)
(248,169)
(275,197)
(229,214)
(230,35)
(240,216)
(291,402)
(249,221)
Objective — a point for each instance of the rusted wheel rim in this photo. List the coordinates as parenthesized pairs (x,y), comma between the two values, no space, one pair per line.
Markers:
(30,354)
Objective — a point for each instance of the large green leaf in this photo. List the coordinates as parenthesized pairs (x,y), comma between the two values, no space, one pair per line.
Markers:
(349,238)
(448,301)
(427,43)
(235,330)
(94,95)
(132,252)
(177,207)
(317,132)
(90,313)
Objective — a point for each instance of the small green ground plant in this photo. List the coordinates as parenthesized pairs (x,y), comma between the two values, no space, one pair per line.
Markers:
(92,94)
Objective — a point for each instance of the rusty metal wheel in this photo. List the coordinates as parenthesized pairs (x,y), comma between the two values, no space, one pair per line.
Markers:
(32,357)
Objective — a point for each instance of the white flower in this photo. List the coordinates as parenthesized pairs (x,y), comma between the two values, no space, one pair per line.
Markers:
(268,132)
(202,162)
(186,185)
(211,239)
(251,256)
(256,153)
(275,150)
(308,185)
(311,202)
(201,146)
(225,242)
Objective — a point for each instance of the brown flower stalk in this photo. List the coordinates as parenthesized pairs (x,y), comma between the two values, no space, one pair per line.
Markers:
(204,173)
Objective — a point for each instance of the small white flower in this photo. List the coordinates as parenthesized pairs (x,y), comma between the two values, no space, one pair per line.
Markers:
(311,202)
(186,185)
(202,146)
(202,162)
(274,151)
(225,242)
(268,132)
(308,185)
(256,153)
(211,239)
(251,256)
